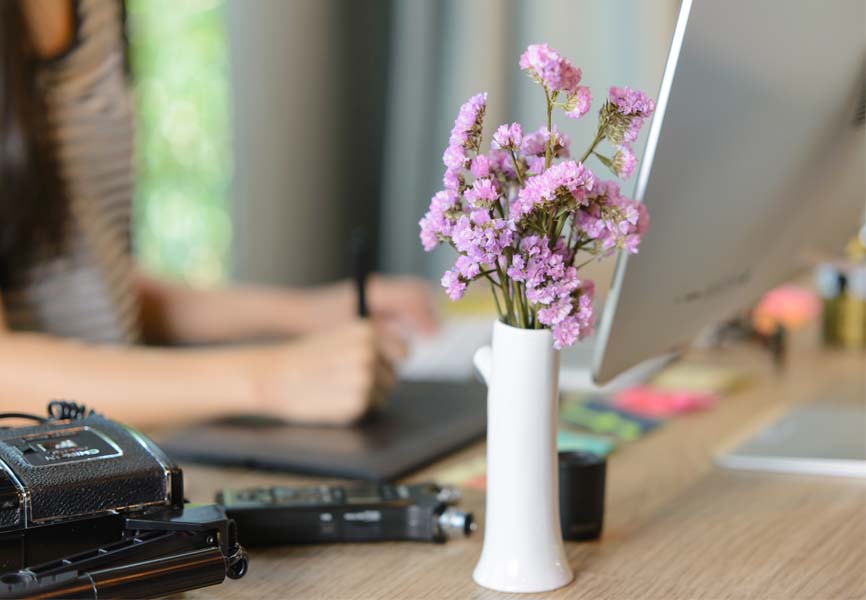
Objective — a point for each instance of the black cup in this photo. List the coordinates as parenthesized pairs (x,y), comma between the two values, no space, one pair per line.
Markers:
(581,494)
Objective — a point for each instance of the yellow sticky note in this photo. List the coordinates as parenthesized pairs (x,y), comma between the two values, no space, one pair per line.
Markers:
(687,377)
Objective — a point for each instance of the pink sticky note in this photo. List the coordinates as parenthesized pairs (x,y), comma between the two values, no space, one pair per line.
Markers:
(652,402)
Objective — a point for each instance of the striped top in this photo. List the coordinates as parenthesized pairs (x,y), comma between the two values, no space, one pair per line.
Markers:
(87,291)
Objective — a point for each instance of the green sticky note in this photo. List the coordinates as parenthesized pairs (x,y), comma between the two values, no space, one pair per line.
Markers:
(570,441)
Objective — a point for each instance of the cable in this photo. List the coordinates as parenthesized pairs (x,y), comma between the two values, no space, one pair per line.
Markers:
(15,415)
(60,410)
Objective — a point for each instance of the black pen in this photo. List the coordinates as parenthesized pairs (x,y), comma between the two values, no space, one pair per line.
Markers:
(361,260)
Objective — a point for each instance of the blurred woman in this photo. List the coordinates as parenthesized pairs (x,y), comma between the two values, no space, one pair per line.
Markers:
(75,312)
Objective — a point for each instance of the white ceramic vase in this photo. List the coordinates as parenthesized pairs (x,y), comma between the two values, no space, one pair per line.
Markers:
(523,549)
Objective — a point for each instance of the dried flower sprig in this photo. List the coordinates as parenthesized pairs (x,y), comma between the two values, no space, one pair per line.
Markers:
(520,214)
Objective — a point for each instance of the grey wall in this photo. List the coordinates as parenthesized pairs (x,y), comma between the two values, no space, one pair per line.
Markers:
(444,51)
(342,109)
(307,79)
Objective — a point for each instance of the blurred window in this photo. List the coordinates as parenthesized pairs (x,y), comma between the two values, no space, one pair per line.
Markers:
(179,60)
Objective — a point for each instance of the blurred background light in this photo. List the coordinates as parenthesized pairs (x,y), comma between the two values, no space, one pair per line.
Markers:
(179,60)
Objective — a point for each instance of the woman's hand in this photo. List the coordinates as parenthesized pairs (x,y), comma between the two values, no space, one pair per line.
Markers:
(333,377)
(406,300)
(402,301)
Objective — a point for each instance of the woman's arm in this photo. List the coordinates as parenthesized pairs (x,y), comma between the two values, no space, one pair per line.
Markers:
(177,313)
(140,386)
(333,377)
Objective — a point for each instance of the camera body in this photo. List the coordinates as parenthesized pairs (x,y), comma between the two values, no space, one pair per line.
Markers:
(77,476)
(91,508)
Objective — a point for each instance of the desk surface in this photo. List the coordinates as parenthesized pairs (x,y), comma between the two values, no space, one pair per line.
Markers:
(676,525)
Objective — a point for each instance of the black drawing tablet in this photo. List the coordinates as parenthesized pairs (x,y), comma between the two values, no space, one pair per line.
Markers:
(421,421)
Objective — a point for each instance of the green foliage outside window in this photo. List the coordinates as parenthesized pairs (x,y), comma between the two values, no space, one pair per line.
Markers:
(179,58)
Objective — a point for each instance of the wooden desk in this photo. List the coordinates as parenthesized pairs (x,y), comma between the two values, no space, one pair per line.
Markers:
(676,525)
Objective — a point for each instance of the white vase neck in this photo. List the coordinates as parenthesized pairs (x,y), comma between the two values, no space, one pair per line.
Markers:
(520,331)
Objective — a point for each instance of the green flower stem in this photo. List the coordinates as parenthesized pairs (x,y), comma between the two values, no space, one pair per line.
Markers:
(537,228)
(560,225)
(598,138)
(548,151)
(584,263)
(516,167)
(527,311)
(521,307)
(499,208)
(509,307)
(578,246)
(607,162)
(493,286)
(516,315)
(570,235)
(518,320)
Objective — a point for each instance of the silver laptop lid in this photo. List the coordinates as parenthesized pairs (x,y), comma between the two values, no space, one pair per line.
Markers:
(754,156)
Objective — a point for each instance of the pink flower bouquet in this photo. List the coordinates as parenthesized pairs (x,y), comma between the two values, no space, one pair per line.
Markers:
(521,214)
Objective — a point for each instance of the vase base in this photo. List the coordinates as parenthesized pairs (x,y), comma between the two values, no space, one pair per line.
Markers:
(500,580)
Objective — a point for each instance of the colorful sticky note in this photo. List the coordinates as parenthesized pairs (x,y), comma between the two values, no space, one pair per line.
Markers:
(572,441)
(652,402)
(602,418)
(689,377)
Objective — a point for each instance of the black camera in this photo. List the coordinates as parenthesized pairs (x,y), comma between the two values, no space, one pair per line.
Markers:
(91,508)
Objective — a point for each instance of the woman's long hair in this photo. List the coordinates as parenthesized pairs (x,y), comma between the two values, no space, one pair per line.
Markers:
(33,201)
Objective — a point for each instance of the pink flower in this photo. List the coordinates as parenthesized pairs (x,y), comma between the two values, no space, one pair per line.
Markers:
(480,217)
(563,301)
(508,137)
(466,133)
(634,236)
(535,144)
(452,180)
(632,103)
(560,183)
(630,109)
(556,313)
(624,161)
(535,165)
(438,222)
(500,163)
(611,219)
(633,129)
(579,323)
(481,166)
(467,268)
(482,238)
(453,284)
(546,66)
(455,157)
(494,205)
(482,194)
(578,102)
